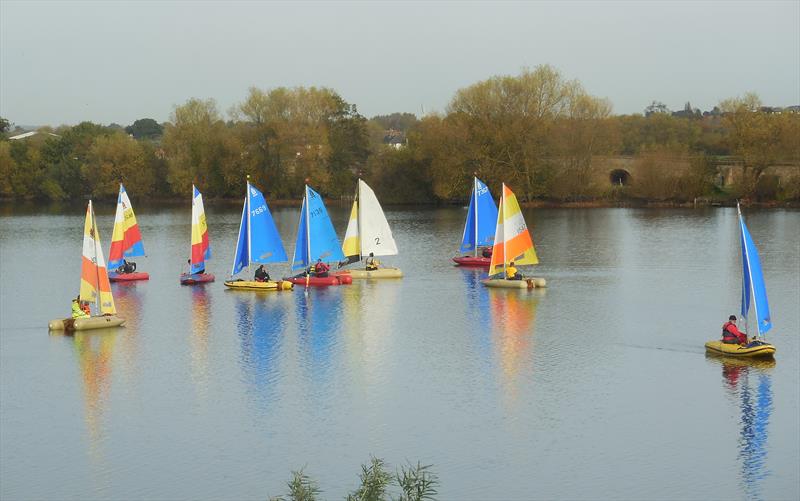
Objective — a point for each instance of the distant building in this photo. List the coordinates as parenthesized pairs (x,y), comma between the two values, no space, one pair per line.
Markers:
(394,138)
(26,135)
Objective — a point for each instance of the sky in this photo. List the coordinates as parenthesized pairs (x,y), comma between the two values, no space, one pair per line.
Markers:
(65,62)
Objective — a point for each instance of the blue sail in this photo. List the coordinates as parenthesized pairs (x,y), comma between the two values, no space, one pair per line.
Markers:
(265,242)
(259,241)
(753,280)
(316,237)
(242,257)
(481,221)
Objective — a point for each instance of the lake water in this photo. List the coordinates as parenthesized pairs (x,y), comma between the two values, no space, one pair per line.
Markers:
(597,387)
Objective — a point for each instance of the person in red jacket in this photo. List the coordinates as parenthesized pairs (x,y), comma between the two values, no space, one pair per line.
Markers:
(731,334)
(321,269)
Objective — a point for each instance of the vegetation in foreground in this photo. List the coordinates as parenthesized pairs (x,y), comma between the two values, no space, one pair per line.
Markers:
(537,131)
(412,483)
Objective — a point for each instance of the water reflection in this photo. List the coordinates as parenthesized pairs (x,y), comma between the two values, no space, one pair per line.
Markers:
(201,318)
(261,324)
(318,321)
(128,301)
(95,349)
(748,383)
(480,320)
(513,315)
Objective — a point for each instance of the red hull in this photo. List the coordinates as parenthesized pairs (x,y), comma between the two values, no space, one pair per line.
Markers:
(128,277)
(321,281)
(482,262)
(196,278)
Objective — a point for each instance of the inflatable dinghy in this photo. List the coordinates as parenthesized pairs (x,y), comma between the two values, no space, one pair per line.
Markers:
(474,262)
(128,277)
(330,280)
(86,323)
(196,278)
(525,283)
(756,349)
(370,274)
(252,285)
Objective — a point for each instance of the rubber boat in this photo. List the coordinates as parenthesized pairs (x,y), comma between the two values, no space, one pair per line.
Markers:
(512,244)
(196,278)
(754,293)
(200,244)
(128,277)
(258,242)
(479,227)
(473,262)
(368,234)
(328,281)
(525,283)
(316,240)
(371,274)
(126,241)
(95,287)
(757,349)
(83,324)
(252,285)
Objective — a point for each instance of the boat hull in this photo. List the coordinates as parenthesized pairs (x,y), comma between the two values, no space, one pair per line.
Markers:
(85,324)
(473,262)
(526,283)
(328,281)
(372,274)
(128,277)
(717,347)
(196,278)
(252,285)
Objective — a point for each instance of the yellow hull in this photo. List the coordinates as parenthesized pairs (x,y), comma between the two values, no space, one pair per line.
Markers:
(526,283)
(379,273)
(252,285)
(734,350)
(84,324)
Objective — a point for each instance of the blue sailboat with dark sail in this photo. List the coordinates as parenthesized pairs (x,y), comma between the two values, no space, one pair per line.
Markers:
(479,228)
(316,243)
(754,300)
(258,242)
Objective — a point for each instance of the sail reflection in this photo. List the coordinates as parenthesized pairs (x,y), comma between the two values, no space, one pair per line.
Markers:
(513,321)
(318,322)
(128,300)
(261,324)
(95,349)
(201,317)
(748,383)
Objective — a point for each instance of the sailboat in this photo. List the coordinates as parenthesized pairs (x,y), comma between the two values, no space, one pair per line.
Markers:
(258,242)
(201,248)
(754,293)
(479,227)
(126,241)
(512,244)
(368,233)
(94,284)
(316,240)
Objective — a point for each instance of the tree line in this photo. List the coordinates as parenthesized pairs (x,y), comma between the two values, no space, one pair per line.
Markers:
(539,132)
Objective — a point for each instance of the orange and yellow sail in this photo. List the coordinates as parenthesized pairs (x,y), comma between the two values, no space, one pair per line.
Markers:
(95,287)
(512,241)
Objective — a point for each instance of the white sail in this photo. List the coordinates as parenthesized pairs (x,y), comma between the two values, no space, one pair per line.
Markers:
(376,236)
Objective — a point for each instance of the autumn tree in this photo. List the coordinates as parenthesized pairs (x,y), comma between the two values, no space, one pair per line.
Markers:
(115,159)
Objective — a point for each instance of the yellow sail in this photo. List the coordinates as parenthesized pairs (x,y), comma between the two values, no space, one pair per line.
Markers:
(94,275)
(512,241)
(351,247)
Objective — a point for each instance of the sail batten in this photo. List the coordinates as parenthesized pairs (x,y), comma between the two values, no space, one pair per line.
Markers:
(126,239)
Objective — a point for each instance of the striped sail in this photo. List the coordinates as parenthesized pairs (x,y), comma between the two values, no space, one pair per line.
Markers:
(201,248)
(512,241)
(95,286)
(126,241)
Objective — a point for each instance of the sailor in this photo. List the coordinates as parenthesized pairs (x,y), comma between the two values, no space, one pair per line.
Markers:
(261,274)
(77,309)
(512,273)
(487,252)
(731,334)
(321,269)
(126,267)
(372,263)
(199,272)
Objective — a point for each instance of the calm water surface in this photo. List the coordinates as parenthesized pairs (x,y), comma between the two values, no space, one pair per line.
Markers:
(597,387)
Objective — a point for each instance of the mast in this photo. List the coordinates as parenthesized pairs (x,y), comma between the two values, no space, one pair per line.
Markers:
(475,201)
(96,269)
(191,229)
(503,201)
(249,244)
(358,220)
(308,230)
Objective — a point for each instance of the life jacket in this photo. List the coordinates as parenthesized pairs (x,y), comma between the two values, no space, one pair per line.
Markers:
(728,335)
(322,268)
(77,311)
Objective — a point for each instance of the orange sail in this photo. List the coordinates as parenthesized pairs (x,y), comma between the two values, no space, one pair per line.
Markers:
(95,287)
(512,241)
